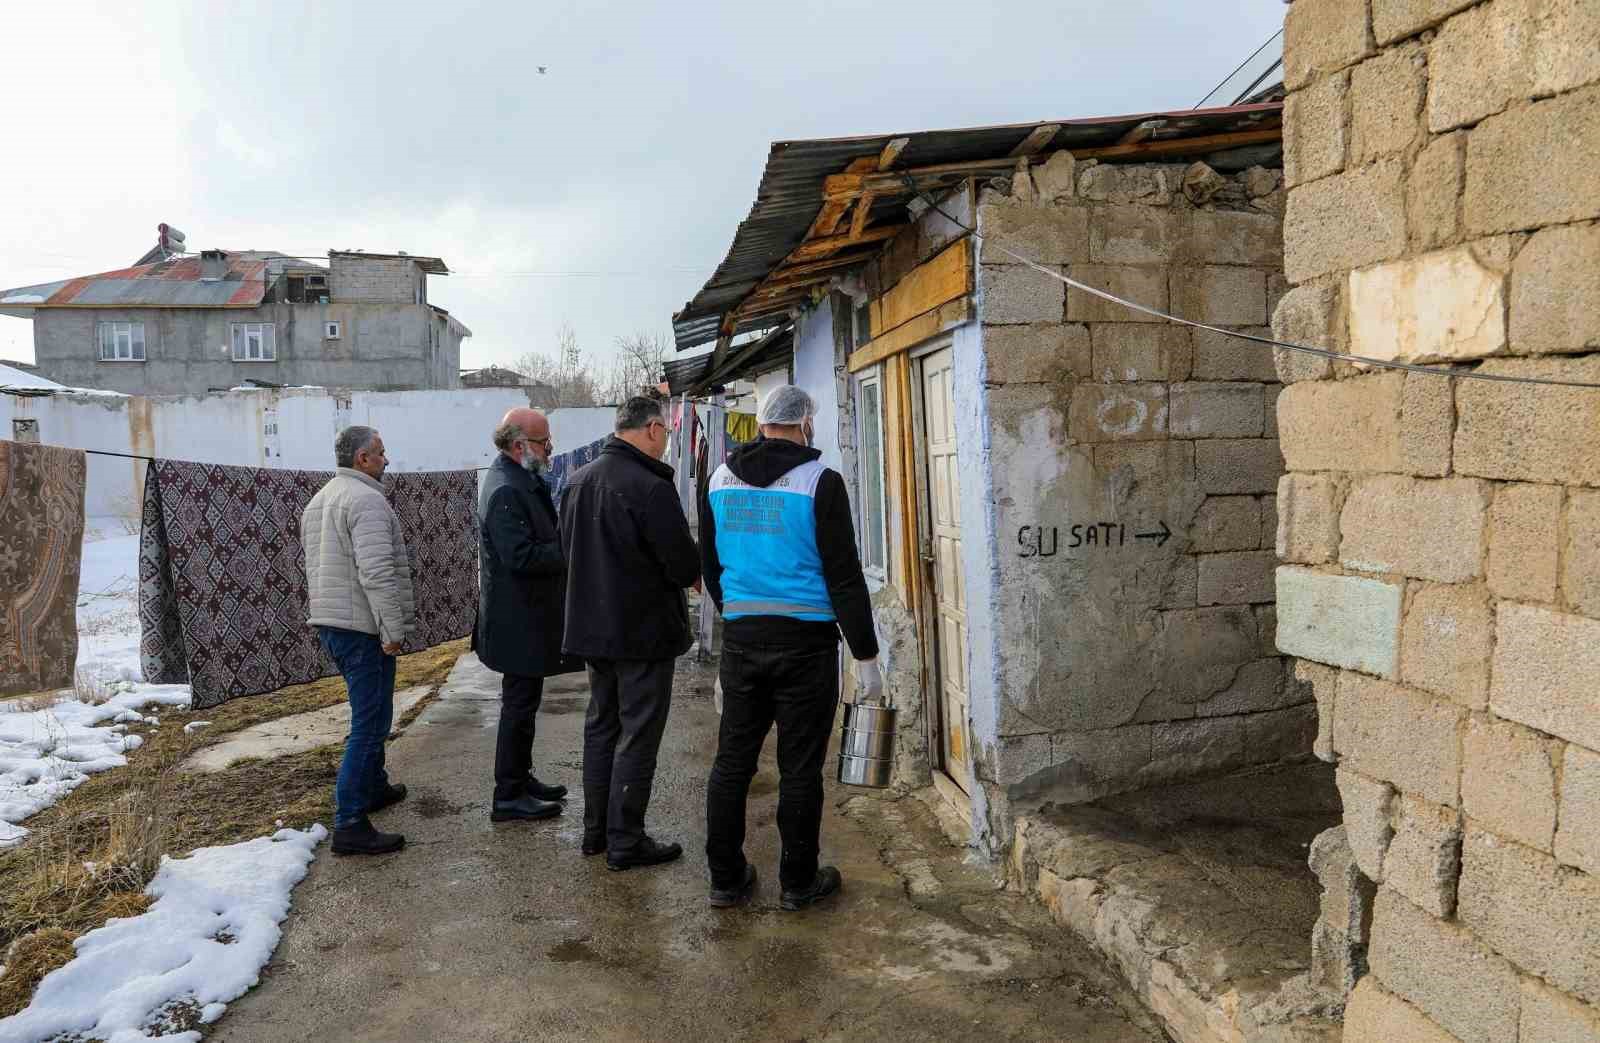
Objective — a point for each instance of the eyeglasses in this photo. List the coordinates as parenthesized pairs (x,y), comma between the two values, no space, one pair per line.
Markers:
(545,442)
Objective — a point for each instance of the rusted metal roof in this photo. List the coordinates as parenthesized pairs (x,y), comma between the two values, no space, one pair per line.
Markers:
(790,194)
(174,283)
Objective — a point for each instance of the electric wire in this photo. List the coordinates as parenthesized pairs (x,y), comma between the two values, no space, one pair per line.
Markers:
(1235,72)
(1363,360)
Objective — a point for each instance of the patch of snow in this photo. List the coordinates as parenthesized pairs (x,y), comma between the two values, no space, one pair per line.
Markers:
(214,925)
(24,298)
(12,377)
(194,726)
(46,753)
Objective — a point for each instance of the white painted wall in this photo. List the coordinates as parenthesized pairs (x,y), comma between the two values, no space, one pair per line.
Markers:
(575,428)
(813,371)
(293,428)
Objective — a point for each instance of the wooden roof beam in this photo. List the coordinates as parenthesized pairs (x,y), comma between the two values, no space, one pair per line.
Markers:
(816,249)
(1037,139)
(891,152)
(833,210)
(1183,146)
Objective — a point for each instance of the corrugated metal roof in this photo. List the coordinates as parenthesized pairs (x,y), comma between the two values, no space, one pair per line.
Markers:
(174,283)
(693,373)
(790,194)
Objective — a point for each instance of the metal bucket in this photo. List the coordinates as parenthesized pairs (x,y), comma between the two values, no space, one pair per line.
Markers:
(866,745)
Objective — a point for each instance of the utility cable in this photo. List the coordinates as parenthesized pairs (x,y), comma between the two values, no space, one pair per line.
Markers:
(1235,72)
(1409,367)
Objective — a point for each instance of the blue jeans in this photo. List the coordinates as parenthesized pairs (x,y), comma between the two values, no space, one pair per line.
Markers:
(369,676)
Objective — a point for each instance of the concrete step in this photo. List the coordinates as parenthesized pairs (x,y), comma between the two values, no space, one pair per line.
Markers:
(1201,896)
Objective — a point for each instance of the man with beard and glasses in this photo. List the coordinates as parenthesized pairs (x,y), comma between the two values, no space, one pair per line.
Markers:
(521,603)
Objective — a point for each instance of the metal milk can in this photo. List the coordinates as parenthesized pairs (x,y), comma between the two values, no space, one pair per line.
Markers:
(866,744)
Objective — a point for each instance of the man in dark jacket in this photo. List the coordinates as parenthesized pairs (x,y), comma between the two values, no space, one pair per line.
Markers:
(780,561)
(522,594)
(629,556)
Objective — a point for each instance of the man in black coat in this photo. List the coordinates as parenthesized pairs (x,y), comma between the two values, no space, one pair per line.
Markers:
(522,594)
(630,556)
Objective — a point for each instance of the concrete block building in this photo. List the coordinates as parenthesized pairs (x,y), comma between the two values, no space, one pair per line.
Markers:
(177,324)
(1438,533)
(1066,508)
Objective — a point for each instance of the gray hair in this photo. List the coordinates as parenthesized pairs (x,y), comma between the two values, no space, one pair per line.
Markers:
(350,442)
(636,413)
(506,434)
(786,406)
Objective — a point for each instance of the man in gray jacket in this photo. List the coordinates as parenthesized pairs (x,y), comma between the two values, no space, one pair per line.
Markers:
(358,591)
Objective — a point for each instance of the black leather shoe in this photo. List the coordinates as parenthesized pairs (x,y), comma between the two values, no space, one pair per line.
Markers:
(523,809)
(647,852)
(543,791)
(363,839)
(727,898)
(594,846)
(826,883)
(393,795)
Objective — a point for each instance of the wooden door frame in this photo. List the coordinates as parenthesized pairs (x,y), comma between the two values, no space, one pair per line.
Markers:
(928,605)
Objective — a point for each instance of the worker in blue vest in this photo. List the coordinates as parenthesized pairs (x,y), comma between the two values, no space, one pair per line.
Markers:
(778,553)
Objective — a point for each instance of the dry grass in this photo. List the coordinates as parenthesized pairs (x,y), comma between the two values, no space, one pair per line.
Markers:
(123,821)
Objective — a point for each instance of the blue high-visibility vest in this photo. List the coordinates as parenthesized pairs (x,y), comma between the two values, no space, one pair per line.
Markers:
(767,543)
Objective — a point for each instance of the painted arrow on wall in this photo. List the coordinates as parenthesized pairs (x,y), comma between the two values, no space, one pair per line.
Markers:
(1160,537)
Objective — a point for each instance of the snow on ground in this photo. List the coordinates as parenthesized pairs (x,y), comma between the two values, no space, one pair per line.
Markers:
(201,945)
(45,753)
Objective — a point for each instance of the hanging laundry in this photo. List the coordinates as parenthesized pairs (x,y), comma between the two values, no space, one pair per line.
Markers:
(742,427)
(41,548)
(563,466)
(222,583)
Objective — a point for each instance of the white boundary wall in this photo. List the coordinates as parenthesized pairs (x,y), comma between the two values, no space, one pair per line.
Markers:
(292,428)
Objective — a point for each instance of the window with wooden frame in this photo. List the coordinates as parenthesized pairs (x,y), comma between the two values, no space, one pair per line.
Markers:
(254,342)
(874,512)
(121,341)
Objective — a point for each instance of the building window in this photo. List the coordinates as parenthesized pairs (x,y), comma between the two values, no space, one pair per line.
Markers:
(874,557)
(254,342)
(121,341)
(330,330)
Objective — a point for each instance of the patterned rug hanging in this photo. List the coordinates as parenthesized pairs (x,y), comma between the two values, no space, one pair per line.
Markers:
(41,548)
(222,585)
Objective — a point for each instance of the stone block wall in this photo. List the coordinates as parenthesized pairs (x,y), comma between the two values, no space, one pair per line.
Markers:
(1129,657)
(395,280)
(1440,537)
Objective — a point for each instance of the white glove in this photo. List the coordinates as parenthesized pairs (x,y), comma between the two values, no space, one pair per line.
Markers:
(871,679)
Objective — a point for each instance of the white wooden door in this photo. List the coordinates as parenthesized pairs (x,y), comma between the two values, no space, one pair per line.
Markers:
(943,483)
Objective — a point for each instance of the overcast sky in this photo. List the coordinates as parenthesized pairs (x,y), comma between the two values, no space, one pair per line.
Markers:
(426,127)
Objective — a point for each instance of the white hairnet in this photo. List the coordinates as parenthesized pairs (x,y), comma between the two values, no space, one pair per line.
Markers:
(786,405)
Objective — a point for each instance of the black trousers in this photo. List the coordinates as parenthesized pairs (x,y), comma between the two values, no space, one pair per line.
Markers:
(513,747)
(628,704)
(798,688)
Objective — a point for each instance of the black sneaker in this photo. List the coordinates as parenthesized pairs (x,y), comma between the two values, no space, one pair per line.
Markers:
(523,809)
(647,852)
(387,797)
(540,790)
(827,882)
(594,845)
(363,839)
(727,898)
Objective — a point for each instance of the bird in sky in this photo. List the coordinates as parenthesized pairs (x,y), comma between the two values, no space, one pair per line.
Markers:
(541,70)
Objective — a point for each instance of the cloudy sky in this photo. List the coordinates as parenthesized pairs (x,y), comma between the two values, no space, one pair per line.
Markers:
(600,194)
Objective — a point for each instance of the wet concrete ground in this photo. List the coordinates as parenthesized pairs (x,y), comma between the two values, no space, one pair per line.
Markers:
(505,932)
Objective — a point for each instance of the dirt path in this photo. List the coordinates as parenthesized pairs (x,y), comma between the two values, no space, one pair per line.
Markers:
(483,932)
